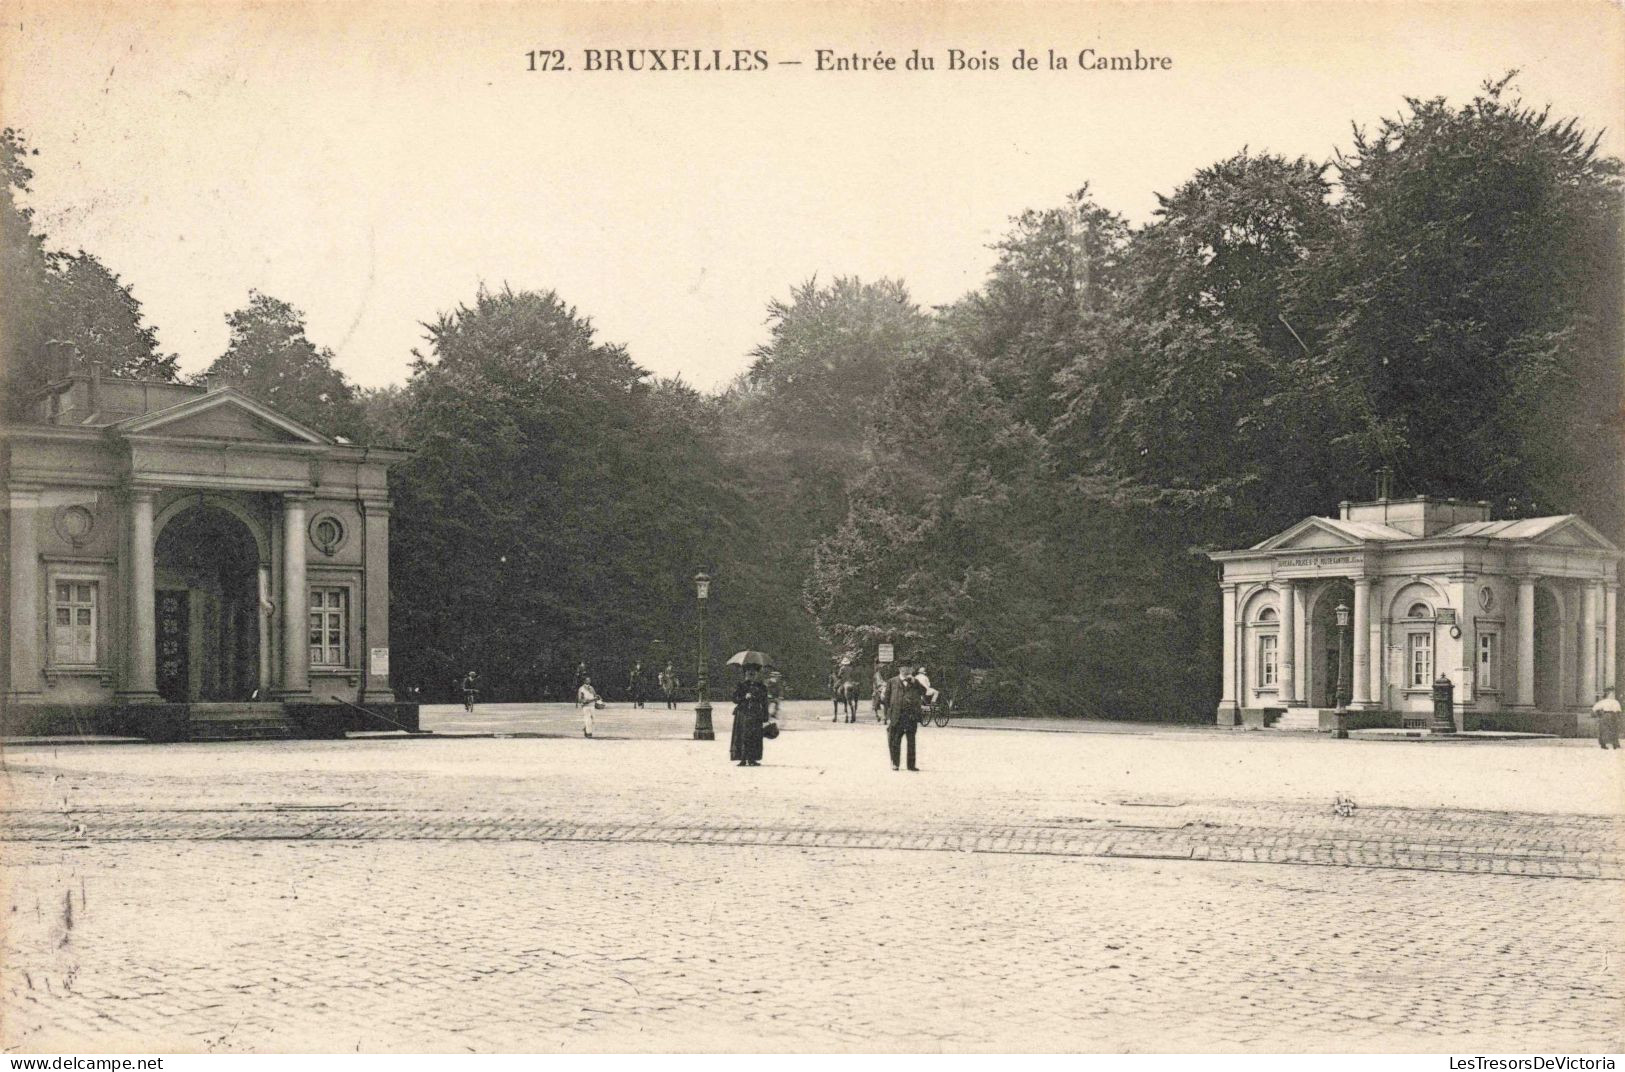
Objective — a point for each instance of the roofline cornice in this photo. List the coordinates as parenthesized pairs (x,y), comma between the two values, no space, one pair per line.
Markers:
(1430,543)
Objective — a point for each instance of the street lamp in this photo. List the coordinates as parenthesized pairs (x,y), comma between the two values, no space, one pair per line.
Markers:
(1343,676)
(702,706)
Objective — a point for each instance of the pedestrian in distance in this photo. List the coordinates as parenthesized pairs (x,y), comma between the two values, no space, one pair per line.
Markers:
(905,698)
(877,695)
(669,686)
(635,685)
(750,714)
(775,694)
(1607,712)
(587,701)
(471,689)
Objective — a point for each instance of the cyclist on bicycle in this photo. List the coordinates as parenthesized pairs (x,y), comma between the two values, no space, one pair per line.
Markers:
(471,689)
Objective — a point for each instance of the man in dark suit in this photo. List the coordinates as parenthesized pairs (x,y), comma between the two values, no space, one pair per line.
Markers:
(904,699)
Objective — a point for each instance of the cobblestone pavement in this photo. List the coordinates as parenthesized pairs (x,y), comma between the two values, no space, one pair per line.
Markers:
(1027,891)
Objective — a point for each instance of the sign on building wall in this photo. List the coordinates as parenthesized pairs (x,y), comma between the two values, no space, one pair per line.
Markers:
(887,654)
(378,662)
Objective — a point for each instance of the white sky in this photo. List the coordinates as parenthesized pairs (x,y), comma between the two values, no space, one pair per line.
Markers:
(373,163)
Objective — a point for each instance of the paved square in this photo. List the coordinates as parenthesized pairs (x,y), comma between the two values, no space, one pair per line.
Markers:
(1126,888)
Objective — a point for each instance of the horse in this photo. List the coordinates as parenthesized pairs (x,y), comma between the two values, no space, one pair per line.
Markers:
(846,697)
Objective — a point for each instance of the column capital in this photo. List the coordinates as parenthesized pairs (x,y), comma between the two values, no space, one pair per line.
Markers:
(139,492)
(379,507)
(300,495)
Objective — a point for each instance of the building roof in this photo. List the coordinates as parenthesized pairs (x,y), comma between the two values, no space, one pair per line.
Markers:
(1525,529)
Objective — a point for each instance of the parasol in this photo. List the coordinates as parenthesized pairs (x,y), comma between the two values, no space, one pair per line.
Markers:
(750,658)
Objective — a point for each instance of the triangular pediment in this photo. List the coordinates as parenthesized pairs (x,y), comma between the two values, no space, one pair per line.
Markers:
(223,414)
(1311,532)
(1571,531)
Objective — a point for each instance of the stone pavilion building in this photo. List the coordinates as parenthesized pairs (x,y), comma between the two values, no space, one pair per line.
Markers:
(1521,616)
(185,562)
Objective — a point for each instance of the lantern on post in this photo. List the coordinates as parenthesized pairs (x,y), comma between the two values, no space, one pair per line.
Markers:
(1343,675)
(702,705)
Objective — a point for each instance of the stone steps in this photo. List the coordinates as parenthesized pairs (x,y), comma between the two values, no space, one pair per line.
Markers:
(1299,720)
(237,722)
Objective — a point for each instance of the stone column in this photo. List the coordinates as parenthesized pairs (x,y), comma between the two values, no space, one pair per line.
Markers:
(1362,643)
(27,613)
(1287,686)
(295,651)
(142,684)
(1588,646)
(1302,658)
(1610,638)
(1227,700)
(375,601)
(1568,614)
(1526,641)
(262,616)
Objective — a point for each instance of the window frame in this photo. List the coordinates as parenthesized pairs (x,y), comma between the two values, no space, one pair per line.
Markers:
(317,653)
(1488,680)
(1418,640)
(1269,660)
(74,578)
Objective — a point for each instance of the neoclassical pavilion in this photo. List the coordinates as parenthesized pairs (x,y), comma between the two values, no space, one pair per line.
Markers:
(175,552)
(1520,615)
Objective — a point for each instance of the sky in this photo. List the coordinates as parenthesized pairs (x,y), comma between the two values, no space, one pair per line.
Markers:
(377,163)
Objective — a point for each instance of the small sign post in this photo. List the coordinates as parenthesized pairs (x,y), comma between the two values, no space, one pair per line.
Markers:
(887,653)
(378,662)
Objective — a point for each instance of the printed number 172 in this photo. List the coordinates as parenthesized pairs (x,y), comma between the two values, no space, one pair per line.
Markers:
(551,59)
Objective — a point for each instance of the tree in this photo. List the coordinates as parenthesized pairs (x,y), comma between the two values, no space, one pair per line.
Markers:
(557,505)
(270,358)
(59,312)
(1472,304)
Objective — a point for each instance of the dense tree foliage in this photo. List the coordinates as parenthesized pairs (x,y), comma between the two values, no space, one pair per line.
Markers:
(60,312)
(270,358)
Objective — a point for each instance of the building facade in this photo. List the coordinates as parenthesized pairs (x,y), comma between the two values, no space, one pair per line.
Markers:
(173,551)
(1520,616)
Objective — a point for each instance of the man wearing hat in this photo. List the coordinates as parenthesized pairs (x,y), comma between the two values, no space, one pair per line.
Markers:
(905,697)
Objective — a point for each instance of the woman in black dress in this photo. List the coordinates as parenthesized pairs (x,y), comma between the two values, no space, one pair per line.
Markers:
(750,711)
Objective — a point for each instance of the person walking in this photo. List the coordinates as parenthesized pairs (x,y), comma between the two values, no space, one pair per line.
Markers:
(877,695)
(587,702)
(669,685)
(750,712)
(905,697)
(1607,712)
(635,684)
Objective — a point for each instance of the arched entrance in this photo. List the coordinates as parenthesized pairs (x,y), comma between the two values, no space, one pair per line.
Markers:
(1548,650)
(207,594)
(1327,648)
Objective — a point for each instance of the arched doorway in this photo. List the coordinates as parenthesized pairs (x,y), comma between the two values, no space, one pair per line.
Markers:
(1548,650)
(207,573)
(1328,648)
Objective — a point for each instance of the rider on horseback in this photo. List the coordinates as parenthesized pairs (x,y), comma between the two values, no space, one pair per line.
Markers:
(844,690)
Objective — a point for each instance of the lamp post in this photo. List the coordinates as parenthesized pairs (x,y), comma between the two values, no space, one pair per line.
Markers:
(1343,676)
(702,706)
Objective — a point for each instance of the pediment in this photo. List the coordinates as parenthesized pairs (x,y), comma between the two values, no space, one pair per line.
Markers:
(1310,533)
(1573,532)
(223,414)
